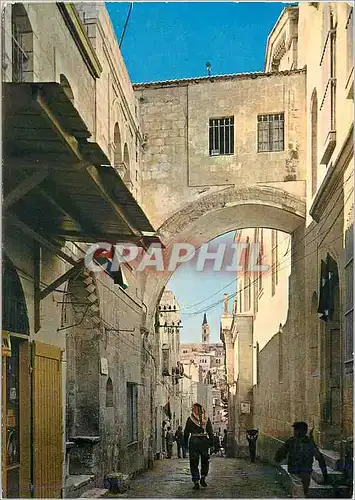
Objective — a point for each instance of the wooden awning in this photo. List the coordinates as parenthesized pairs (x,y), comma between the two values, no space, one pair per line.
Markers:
(57,182)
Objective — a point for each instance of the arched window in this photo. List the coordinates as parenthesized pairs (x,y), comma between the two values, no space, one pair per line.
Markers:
(314,141)
(14,308)
(117,145)
(22,45)
(67,88)
(126,156)
(109,393)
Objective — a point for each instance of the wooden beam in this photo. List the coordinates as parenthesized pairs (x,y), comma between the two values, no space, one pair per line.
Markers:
(30,163)
(43,241)
(68,140)
(113,238)
(24,187)
(95,177)
(63,204)
(62,279)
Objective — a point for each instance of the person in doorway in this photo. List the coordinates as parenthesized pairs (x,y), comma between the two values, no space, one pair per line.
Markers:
(300,450)
(225,441)
(179,438)
(198,436)
(169,439)
(252,436)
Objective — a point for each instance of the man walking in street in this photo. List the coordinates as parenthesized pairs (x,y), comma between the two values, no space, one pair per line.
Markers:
(169,439)
(300,451)
(199,429)
(179,438)
(252,436)
(225,442)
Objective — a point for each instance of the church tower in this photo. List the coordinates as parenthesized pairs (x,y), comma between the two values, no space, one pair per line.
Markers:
(205,331)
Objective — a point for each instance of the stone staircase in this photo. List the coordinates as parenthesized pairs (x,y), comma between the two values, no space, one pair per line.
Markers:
(77,484)
(336,487)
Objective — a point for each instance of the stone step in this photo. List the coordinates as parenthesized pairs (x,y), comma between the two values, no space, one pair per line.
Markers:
(332,458)
(77,484)
(94,493)
(315,490)
(335,476)
(320,490)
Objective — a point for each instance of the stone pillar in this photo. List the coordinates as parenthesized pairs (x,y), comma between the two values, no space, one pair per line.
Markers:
(245,382)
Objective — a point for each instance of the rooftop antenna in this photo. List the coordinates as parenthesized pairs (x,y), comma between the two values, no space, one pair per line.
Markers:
(208,67)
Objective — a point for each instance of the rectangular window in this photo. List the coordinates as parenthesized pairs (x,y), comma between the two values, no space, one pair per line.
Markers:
(132,427)
(221,136)
(271,132)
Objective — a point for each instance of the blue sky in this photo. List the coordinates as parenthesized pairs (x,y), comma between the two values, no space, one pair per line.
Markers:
(173,40)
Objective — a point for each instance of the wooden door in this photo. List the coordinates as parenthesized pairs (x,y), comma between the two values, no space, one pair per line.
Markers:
(47,421)
(3,427)
(16,420)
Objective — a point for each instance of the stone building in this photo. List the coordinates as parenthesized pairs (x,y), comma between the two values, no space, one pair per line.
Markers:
(259,313)
(76,352)
(170,370)
(303,368)
(204,364)
(81,146)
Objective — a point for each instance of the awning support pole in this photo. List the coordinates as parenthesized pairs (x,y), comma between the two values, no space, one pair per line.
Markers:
(40,239)
(62,279)
(37,286)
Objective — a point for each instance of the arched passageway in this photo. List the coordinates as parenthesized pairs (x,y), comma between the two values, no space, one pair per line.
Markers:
(219,213)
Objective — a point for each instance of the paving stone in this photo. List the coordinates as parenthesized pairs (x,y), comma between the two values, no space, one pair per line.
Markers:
(228,478)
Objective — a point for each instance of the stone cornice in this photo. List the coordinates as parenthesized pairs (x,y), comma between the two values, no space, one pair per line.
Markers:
(203,79)
(333,177)
(80,37)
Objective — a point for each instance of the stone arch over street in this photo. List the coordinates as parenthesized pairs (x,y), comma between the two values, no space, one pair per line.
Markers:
(219,213)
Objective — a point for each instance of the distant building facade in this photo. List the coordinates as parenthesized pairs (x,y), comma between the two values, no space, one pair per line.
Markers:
(168,399)
(204,363)
(289,338)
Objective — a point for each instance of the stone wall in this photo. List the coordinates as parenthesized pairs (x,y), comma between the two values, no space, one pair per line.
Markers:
(175,117)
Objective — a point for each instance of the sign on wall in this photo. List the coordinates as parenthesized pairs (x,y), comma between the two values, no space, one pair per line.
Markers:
(104,366)
(245,407)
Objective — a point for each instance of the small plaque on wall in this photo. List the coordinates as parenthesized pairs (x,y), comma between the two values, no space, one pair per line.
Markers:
(104,366)
(245,407)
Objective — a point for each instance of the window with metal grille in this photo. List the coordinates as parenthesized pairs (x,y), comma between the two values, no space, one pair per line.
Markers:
(271,132)
(222,136)
(132,427)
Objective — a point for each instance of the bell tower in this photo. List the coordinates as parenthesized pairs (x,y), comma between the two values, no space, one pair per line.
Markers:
(205,331)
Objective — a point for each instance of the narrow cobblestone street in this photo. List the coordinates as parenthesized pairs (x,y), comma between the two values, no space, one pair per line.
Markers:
(228,478)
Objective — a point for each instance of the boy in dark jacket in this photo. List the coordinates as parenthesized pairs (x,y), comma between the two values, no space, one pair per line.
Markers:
(199,429)
(300,451)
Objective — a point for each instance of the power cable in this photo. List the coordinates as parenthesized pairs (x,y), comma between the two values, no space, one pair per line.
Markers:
(126,24)
(297,244)
(215,304)
(276,246)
